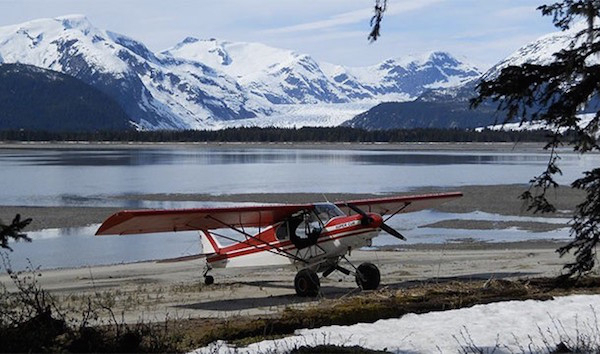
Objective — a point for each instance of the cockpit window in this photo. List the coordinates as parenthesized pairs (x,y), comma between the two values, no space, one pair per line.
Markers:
(287,228)
(327,211)
(307,224)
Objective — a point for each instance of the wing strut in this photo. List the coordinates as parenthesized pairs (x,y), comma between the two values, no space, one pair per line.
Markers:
(397,211)
(285,253)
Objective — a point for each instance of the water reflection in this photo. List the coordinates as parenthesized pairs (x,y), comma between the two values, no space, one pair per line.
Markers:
(93,177)
(141,157)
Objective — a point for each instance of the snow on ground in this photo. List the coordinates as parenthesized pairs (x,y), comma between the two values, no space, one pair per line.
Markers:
(584,120)
(516,326)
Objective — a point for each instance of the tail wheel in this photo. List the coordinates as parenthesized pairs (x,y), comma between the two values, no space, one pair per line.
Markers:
(209,279)
(367,276)
(307,283)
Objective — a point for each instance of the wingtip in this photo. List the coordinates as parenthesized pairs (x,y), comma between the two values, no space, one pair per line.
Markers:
(111,222)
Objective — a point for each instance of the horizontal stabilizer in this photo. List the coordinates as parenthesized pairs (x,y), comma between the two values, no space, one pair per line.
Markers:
(192,257)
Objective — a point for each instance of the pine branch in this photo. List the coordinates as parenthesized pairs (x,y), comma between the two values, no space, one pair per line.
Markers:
(13,231)
(380,7)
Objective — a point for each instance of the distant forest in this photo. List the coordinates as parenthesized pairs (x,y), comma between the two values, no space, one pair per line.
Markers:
(335,134)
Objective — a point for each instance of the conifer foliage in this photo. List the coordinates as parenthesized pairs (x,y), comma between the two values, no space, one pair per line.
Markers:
(555,94)
(380,7)
(13,231)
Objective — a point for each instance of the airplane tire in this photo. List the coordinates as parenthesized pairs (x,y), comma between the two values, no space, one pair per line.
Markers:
(307,283)
(209,280)
(367,276)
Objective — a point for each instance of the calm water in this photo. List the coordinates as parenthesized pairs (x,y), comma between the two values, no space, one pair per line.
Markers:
(94,177)
(75,177)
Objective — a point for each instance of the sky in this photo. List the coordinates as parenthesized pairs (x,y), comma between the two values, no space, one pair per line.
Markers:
(481,32)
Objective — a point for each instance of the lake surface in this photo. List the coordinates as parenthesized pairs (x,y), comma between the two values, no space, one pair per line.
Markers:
(94,177)
(49,177)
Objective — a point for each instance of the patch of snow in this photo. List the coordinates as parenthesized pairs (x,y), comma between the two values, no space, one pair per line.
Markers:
(584,120)
(510,325)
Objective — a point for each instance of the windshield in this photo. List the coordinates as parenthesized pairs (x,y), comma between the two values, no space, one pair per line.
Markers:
(327,211)
(308,222)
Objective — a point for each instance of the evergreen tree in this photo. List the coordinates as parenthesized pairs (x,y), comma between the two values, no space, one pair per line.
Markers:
(13,231)
(555,93)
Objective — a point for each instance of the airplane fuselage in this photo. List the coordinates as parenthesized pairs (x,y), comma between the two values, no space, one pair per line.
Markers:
(338,236)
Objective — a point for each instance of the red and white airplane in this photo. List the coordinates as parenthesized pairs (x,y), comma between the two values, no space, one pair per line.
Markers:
(313,238)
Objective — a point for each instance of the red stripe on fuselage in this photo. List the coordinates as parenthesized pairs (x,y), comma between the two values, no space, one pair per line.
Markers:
(268,236)
(276,247)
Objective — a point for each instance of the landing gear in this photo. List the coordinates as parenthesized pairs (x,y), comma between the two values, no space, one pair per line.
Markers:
(208,279)
(307,283)
(367,276)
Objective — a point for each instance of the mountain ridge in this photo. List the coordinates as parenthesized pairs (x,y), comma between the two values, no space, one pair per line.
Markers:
(206,89)
(450,106)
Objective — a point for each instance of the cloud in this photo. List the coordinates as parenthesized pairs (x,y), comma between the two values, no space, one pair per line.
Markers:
(352,17)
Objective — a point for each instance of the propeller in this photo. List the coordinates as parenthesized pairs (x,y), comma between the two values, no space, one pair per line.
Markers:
(367,220)
(392,231)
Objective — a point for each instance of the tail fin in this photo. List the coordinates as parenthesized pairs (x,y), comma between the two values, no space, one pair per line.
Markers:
(209,244)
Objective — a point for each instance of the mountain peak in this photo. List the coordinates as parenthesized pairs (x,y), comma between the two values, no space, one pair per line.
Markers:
(438,55)
(74,21)
(188,40)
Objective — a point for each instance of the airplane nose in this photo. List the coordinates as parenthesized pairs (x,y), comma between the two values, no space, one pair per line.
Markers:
(377,219)
(379,223)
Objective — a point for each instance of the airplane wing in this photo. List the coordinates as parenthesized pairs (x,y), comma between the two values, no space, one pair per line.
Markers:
(402,204)
(150,221)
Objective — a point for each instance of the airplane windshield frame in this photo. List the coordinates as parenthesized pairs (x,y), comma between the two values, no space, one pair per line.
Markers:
(307,222)
(327,211)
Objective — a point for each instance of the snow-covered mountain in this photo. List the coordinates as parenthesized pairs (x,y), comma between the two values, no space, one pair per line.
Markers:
(403,78)
(541,51)
(156,91)
(449,106)
(278,75)
(200,84)
(285,77)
